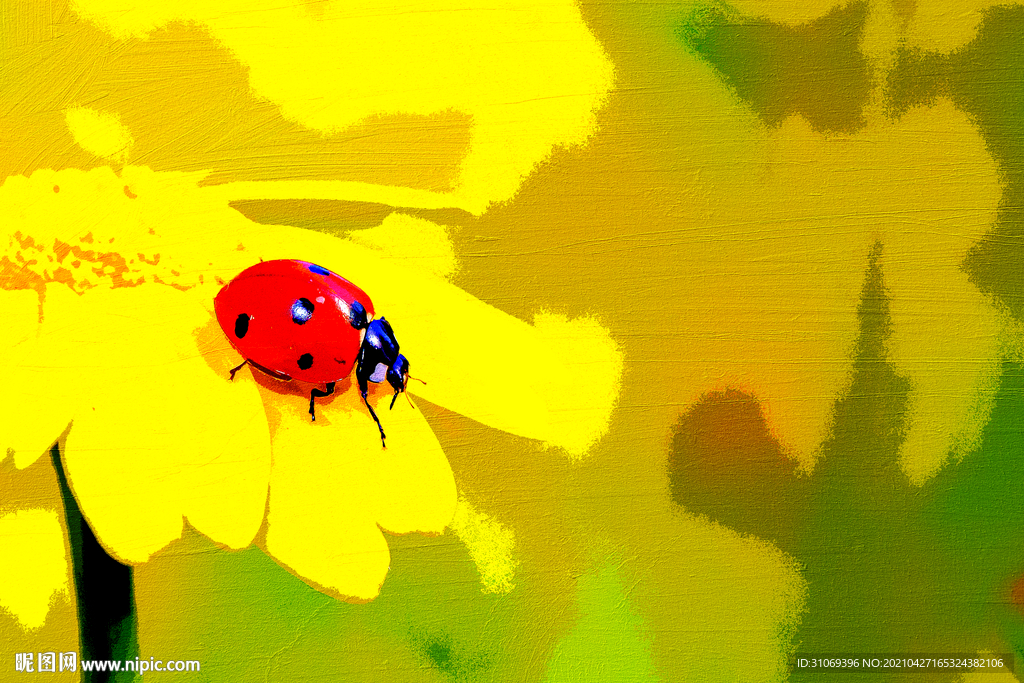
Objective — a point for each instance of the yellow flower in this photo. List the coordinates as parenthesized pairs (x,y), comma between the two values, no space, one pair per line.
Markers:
(110,340)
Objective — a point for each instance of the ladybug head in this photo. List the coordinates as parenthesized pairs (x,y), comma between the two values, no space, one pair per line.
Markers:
(379,359)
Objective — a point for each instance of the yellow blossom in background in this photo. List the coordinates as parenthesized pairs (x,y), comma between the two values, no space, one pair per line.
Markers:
(823,196)
(530,75)
(782,221)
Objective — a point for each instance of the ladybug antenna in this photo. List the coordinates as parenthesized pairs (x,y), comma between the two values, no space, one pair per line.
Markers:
(408,376)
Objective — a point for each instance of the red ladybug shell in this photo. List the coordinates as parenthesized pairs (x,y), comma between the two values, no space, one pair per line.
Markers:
(291,319)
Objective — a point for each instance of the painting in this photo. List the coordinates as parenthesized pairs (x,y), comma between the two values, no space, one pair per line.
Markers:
(710,318)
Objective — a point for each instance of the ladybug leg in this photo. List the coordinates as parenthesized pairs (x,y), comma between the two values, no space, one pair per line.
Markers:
(374,416)
(234,370)
(366,363)
(397,374)
(317,393)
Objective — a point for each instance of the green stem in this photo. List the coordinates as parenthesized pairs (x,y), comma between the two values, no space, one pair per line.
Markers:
(104,588)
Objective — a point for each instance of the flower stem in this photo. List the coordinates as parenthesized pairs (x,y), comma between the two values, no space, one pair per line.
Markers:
(106,598)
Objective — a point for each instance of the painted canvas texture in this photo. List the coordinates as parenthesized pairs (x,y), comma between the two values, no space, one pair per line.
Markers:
(714,312)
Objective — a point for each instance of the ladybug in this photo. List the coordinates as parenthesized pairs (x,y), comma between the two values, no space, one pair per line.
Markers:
(297,320)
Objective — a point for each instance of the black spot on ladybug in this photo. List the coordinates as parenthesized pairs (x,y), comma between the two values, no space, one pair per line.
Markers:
(305,361)
(302,311)
(319,270)
(357,315)
(241,325)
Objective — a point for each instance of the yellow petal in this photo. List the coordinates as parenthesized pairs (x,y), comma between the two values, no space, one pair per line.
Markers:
(324,495)
(20,311)
(33,564)
(580,400)
(474,358)
(158,432)
(416,485)
(30,421)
